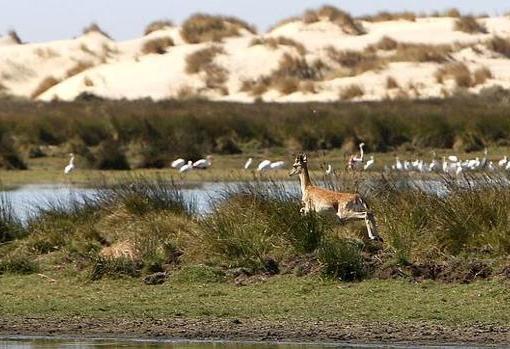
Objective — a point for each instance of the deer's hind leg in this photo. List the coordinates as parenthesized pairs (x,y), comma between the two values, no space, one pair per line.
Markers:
(363,215)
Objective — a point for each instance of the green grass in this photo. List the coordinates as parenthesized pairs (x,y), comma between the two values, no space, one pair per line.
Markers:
(282,297)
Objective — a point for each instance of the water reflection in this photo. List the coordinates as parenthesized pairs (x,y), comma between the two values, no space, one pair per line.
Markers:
(32,343)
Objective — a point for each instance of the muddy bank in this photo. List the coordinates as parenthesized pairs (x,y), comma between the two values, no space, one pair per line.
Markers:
(258,330)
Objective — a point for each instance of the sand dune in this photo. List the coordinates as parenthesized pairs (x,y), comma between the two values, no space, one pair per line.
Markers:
(93,63)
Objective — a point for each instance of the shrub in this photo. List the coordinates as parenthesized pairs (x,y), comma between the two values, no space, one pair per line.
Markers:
(384,16)
(44,86)
(296,67)
(481,75)
(200,59)
(499,45)
(114,267)
(421,53)
(78,68)
(391,83)
(157,45)
(342,19)
(110,156)
(10,225)
(454,13)
(287,85)
(202,28)
(386,44)
(15,37)
(456,71)
(10,158)
(95,28)
(18,264)
(341,259)
(157,25)
(355,62)
(256,87)
(273,43)
(469,24)
(351,92)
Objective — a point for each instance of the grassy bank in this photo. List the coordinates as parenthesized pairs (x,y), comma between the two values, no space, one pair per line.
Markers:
(284,297)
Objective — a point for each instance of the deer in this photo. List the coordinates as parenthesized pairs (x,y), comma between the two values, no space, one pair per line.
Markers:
(346,206)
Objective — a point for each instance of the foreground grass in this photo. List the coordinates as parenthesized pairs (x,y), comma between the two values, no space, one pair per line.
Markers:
(282,297)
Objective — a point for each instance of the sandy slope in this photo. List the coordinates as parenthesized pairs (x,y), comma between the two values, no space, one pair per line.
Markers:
(121,70)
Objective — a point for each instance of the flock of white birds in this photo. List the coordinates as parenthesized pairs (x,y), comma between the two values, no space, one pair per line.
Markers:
(450,164)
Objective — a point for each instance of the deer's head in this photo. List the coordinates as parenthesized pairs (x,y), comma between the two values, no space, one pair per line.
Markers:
(299,164)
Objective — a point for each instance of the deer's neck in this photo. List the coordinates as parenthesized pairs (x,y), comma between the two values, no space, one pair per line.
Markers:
(304,178)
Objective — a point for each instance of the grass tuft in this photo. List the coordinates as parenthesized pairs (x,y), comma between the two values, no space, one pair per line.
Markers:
(157,25)
(469,24)
(157,46)
(203,28)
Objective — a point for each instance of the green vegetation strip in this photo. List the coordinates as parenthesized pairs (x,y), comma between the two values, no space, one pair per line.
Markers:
(283,297)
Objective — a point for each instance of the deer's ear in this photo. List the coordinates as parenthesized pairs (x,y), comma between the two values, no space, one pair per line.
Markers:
(304,157)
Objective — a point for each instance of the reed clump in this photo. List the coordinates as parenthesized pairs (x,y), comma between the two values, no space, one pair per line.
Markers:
(202,28)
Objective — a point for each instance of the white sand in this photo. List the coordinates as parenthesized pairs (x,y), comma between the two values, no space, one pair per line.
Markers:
(121,70)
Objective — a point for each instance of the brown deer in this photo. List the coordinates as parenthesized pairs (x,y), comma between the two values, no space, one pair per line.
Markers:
(346,206)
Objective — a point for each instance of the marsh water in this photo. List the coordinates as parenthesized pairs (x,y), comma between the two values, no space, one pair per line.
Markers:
(44,343)
(26,199)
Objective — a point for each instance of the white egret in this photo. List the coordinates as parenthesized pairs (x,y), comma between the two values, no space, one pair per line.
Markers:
(329,170)
(453,158)
(187,167)
(369,163)
(203,164)
(178,163)
(264,165)
(277,165)
(248,163)
(503,162)
(70,166)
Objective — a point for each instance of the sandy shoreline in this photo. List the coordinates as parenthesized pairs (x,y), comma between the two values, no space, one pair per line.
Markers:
(257,330)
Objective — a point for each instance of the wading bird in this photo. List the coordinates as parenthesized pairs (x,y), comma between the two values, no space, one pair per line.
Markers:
(70,166)
(264,165)
(187,167)
(369,163)
(203,164)
(248,163)
(346,206)
(178,163)
(277,165)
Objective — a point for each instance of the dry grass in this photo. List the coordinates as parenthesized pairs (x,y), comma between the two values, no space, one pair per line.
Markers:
(78,68)
(330,13)
(274,43)
(287,85)
(421,53)
(350,92)
(386,44)
(391,83)
(14,36)
(469,24)
(457,71)
(44,86)
(46,53)
(203,28)
(95,28)
(481,75)
(384,16)
(216,77)
(257,87)
(453,12)
(157,25)
(356,62)
(499,45)
(88,82)
(308,87)
(157,46)
(199,60)
(298,67)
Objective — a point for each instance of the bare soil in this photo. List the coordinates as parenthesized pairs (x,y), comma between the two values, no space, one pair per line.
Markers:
(258,330)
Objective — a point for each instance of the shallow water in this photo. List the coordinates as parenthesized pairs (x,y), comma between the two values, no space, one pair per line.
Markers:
(44,343)
(26,199)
